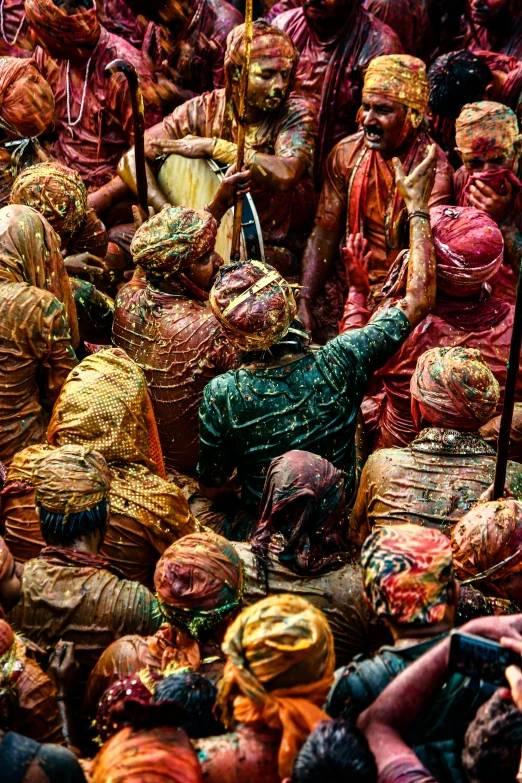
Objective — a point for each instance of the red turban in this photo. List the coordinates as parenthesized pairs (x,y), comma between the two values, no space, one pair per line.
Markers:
(453,388)
(469,247)
(26,100)
(109,718)
(54,27)
(6,637)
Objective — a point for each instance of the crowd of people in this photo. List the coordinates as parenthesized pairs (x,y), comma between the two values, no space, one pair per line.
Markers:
(246,506)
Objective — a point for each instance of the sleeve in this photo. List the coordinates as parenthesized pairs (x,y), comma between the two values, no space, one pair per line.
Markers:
(215,462)
(359,527)
(135,610)
(38,716)
(224,353)
(296,137)
(331,210)
(405,770)
(59,358)
(360,352)
(183,121)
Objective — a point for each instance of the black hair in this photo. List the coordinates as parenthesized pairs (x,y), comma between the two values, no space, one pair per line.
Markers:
(455,79)
(197,695)
(336,750)
(493,741)
(60,532)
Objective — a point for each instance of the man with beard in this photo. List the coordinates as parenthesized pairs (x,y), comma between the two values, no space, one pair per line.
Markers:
(359,194)
(494,25)
(336,39)
(279,139)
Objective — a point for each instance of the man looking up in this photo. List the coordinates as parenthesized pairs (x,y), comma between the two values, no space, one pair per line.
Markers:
(360,195)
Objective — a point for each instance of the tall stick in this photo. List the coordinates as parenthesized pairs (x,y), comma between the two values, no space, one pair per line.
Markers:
(504,433)
(242,113)
(138,120)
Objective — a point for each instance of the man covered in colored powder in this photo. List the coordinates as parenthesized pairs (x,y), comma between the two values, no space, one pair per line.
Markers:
(489,143)
(359,193)
(494,25)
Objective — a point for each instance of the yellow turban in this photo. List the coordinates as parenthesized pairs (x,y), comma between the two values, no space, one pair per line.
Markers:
(400,78)
(486,129)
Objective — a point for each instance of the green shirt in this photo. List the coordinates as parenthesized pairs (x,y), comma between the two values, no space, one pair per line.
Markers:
(252,415)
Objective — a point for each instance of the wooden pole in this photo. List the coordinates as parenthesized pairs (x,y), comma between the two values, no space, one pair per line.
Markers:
(242,112)
(504,433)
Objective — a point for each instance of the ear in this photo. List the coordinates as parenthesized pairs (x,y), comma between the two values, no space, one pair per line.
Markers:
(456,149)
(488,92)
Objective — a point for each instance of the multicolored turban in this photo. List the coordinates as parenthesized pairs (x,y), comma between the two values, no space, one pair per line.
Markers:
(54,26)
(486,130)
(199,581)
(254,304)
(4,557)
(26,100)
(453,388)
(173,239)
(407,570)
(109,719)
(56,192)
(153,755)
(469,247)
(280,665)
(401,78)
(487,544)
(267,41)
(70,479)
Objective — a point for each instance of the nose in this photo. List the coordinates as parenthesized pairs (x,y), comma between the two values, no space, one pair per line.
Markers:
(278,82)
(369,117)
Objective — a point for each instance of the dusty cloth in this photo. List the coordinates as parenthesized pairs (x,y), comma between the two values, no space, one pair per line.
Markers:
(453,388)
(107,718)
(35,339)
(117,17)
(4,557)
(198,582)
(95,145)
(51,21)
(406,572)
(280,664)
(490,433)
(476,38)
(511,85)
(180,346)
(359,195)
(267,41)
(72,598)
(338,594)
(330,73)
(17,40)
(254,304)
(23,757)
(245,754)
(302,490)
(147,756)
(487,544)
(486,128)
(400,78)
(432,482)
(7,640)
(55,191)
(191,55)
(26,107)
(70,479)
(409,19)
(174,238)
(288,132)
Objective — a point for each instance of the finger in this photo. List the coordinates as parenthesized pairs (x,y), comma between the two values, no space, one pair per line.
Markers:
(512,644)
(514,678)
(231,170)
(427,163)
(485,189)
(509,188)
(399,171)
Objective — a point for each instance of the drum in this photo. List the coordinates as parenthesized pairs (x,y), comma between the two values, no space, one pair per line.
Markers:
(193,182)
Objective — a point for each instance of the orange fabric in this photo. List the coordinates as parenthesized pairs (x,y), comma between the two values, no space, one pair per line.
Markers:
(50,22)
(155,449)
(4,558)
(282,639)
(26,105)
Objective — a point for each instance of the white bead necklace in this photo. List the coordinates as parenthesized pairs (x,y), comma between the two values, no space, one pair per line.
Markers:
(68,93)
(2,29)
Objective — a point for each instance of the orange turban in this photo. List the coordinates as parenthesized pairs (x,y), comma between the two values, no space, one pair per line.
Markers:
(453,388)
(52,24)
(280,665)
(26,100)
(267,41)
(400,78)
(487,543)
(7,637)
(4,557)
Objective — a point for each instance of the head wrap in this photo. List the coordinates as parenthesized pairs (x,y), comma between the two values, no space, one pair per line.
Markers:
(401,78)
(199,580)
(280,664)
(55,191)
(486,130)
(4,557)
(267,41)
(453,388)
(30,253)
(108,714)
(174,239)
(70,479)
(26,107)
(301,491)
(152,755)
(487,543)
(7,637)
(406,573)
(469,247)
(254,303)
(55,28)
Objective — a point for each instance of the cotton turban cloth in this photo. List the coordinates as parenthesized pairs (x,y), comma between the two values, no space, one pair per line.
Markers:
(199,580)
(70,479)
(174,239)
(4,558)
(56,192)
(453,388)
(7,637)
(73,31)
(254,304)
(26,100)
(267,41)
(486,129)
(487,543)
(469,248)
(280,665)
(401,78)
(406,573)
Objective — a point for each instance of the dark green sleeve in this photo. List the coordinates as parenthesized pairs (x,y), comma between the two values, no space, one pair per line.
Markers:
(215,462)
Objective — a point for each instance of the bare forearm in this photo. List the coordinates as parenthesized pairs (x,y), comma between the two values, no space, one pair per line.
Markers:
(512,245)
(108,195)
(421,286)
(318,261)
(276,172)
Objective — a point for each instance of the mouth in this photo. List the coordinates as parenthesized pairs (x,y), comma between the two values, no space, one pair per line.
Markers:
(373,135)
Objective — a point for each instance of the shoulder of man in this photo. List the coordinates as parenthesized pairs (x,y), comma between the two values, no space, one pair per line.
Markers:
(291,21)
(381,39)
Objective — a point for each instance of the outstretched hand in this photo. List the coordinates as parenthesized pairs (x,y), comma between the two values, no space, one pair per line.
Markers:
(63,667)
(357,256)
(416,188)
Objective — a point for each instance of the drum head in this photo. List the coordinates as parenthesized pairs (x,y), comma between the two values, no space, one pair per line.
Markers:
(193,182)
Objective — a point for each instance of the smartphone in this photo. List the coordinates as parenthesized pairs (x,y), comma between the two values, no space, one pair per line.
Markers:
(482,659)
